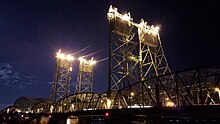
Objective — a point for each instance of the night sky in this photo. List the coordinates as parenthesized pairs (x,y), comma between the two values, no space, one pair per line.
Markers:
(32,31)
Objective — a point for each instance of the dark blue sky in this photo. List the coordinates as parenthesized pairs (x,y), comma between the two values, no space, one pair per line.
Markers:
(31,31)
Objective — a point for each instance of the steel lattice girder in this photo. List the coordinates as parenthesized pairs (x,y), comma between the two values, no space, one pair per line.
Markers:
(81,101)
(184,88)
(134,53)
(62,78)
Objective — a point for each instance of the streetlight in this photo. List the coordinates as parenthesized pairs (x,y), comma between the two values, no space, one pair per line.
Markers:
(169,103)
(218,90)
(51,109)
(109,102)
(132,94)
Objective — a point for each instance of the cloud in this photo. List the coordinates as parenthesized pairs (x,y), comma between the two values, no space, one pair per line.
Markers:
(11,78)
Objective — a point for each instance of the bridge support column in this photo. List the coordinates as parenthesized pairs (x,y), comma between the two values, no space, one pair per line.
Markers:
(158,104)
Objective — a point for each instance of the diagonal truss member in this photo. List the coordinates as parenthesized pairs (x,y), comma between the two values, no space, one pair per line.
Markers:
(85,76)
(61,83)
(135,51)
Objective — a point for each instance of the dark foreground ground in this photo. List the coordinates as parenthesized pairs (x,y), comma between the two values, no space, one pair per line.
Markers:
(155,115)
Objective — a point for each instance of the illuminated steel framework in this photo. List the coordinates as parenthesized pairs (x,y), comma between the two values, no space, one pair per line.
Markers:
(61,83)
(135,51)
(192,87)
(81,101)
(140,76)
(85,76)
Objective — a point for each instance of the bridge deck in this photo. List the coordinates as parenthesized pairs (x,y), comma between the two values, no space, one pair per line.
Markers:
(189,114)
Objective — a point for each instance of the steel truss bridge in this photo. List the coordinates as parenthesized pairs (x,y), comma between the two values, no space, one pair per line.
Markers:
(140,83)
(192,87)
(196,87)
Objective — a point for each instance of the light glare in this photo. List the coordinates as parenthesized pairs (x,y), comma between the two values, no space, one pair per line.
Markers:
(126,17)
(64,56)
(217,89)
(90,62)
(170,104)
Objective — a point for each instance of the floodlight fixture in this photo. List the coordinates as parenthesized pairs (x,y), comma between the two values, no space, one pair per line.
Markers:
(64,56)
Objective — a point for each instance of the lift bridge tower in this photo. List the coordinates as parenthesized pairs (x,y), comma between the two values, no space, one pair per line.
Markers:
(135,51)
(62,77)
(85,75)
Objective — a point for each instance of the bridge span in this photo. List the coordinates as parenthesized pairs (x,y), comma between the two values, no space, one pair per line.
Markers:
(188,96)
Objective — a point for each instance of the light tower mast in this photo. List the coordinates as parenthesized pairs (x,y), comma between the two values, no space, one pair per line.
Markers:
(62,77)
(135,51)
(85,75)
